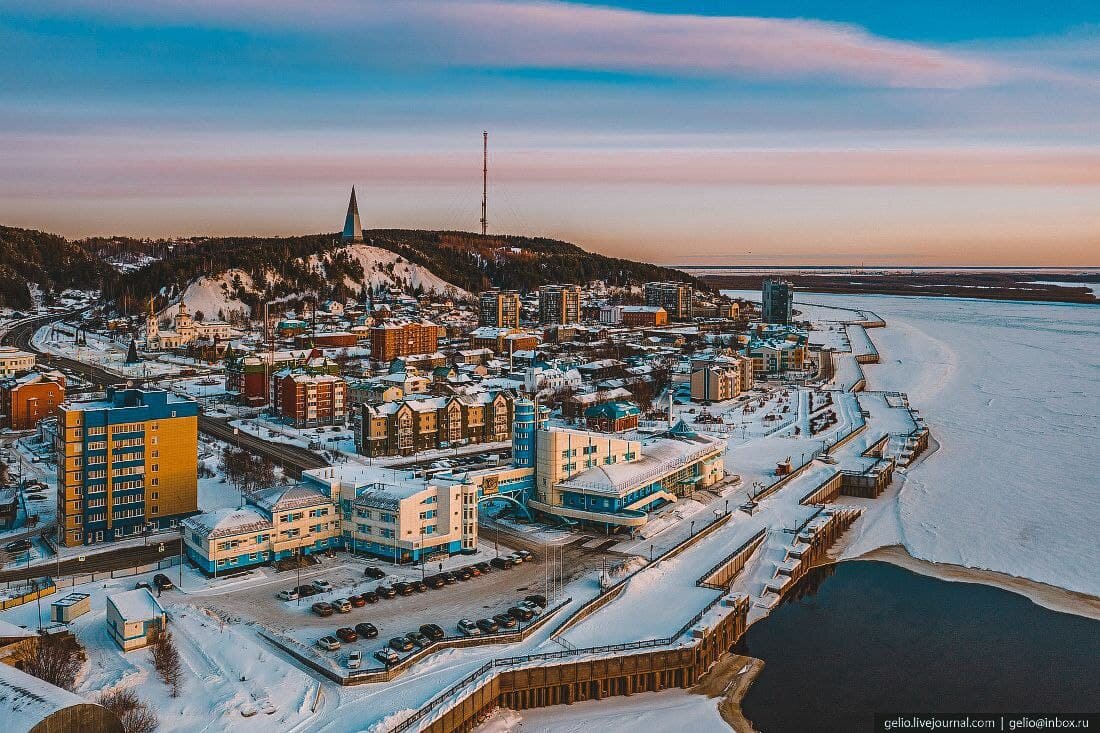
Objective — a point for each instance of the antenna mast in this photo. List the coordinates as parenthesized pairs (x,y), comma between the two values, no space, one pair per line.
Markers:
(484,181)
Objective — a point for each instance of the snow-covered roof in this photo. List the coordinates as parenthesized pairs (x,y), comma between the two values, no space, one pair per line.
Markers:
(280,498)
(26,700)
(136,604)
(226,522)
(658,456)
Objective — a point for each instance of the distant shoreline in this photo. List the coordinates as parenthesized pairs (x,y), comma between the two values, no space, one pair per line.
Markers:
(1025,286)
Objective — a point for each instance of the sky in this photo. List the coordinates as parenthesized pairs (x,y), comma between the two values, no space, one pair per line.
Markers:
(674,131)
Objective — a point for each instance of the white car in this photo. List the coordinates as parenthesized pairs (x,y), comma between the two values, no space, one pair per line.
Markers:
(532,607)
(516,558)
(328,643)
(322,586)
(468,627)
(355,660)
(287,595)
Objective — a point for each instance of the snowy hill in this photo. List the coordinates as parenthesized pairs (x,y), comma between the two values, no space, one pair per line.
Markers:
(382,267)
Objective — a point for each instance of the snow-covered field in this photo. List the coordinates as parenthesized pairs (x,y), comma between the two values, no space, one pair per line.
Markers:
(1011,392)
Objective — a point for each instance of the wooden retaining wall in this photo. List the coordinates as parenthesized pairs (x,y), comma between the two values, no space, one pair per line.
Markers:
(722,575)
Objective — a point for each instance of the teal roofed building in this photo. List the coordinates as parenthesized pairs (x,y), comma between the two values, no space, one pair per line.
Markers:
(613,417)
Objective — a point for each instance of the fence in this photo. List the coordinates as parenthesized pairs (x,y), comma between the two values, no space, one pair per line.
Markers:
(41,589)
(73,580)
(725,570)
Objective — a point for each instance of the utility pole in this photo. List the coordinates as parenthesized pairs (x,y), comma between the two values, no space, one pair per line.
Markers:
(484,181)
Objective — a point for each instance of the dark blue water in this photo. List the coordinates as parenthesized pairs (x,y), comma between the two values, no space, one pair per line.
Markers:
(861,638)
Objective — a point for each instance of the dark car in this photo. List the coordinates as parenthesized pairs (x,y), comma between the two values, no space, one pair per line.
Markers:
(537,600)
(464,574)
(501,563)
(366,631)
(305,591)
(374,573)
(434,582)
(401,644)
(370,597)
(473,570)
(346,635)
(323,609)
(419,586)
(18,546)
(357,601)
(449,578)
(417,638)
(386,656)
(432,631)
(488,625)
(484,567)
(385,591)
(161,581)
(505,620)
(403,588)
(520,614)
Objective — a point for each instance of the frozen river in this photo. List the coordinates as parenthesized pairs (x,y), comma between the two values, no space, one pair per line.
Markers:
(1012,393)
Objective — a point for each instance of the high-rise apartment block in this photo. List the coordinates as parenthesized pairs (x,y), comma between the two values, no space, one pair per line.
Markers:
(559,304)
(499,308)
(674,297)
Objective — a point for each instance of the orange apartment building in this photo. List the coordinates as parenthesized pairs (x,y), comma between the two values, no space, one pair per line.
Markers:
(27,399)
(393,340)
(309,400)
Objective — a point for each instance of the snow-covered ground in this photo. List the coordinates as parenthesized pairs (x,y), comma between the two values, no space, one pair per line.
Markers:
(1011,391)
(650,711)
(58,339)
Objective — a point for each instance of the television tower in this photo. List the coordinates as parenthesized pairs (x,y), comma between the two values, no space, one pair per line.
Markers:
(484,181)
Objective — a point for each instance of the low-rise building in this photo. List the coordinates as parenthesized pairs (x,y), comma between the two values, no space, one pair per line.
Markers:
(227,539)
(26,399)
(613,417)
(413,425)
(502,341)
(135,618)
(644,316)
(13,361)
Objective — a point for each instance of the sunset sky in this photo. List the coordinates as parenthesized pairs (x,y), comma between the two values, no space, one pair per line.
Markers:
(676,131)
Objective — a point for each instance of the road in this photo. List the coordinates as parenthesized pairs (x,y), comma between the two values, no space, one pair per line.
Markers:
(113,559)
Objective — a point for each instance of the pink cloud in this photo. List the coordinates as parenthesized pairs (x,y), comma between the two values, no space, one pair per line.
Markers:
(547,34)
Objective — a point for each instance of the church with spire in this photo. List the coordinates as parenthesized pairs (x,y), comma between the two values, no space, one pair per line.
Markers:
(353,228)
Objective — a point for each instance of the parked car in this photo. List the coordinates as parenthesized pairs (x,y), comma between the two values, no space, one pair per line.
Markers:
(343,605)
(387,656)
(142,584)
(525,554)
(488,625)
(305,591)
(329,643)
(403,588)
(484,567)
(346,635)
(520,613)
(473,570)
(516,558)
(287,595)
(366,631)
(370,597)
(162,582)
(501,563)
(468,627)
(355,660)
(432,631)
(534,608)
(374,573)
(401,644)
(323,609)
(464,574)
(505,620)
(538,600)
(357,601)
(385,591)
(417,638)
(322,586)
(434,582)
(419,586)
(449,578)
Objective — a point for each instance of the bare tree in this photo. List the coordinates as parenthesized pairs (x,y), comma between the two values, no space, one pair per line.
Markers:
(57,659)
(166,660)
(135,715)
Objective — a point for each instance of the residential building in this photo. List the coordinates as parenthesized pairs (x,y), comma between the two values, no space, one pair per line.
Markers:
(329,339)
(616,416)
(643,315)
(13,361)
(502,341)
(392,340)
(776,350)
(309,400)
(227,539)
(412,425)
(135,618)
(26,399)
(249,375)
(674,297)
(499,308)
(125,464)
(777,301)
(717,381)
(559,304)
(303,519)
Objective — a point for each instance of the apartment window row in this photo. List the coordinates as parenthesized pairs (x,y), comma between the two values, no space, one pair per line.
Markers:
(292,517)
(128,471)
(128,513)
